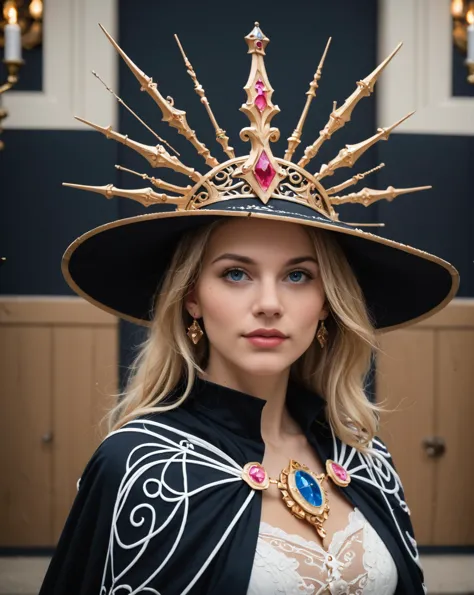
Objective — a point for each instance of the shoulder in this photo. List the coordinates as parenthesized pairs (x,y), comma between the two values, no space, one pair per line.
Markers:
(153,448)
(131,445)
(381,463)
(384,475)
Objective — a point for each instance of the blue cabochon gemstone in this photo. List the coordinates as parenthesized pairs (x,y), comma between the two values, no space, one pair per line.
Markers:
(308,488)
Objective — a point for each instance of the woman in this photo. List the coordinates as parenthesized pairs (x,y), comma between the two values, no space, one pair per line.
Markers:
(242,456)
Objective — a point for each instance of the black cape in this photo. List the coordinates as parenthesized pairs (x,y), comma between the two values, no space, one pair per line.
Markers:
(161,507)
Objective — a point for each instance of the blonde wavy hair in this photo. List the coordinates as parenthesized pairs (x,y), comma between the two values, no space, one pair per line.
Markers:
(338,373)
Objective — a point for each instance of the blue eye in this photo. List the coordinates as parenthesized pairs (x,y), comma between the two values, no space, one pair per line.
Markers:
(234,275)
(298,276)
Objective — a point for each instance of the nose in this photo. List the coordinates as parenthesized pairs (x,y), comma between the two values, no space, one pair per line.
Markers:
(267,300)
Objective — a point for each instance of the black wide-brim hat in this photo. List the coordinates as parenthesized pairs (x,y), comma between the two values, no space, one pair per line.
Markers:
(119,266)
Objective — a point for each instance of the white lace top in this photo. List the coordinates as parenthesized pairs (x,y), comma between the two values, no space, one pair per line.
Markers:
(357,563)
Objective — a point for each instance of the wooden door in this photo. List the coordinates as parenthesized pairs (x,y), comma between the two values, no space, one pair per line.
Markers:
(58,375)
(425,373)
(84,382)
(405,385)
(26,421)
(454,517)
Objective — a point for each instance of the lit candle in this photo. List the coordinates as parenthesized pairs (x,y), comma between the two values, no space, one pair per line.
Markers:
(457,8)
(470,35)
(12,36)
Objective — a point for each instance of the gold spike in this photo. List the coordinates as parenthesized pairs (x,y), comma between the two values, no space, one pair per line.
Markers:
(339,117)
(353,180)
(172,115)
(156,156)
(260,110)
(368,196)
(221,137)
(363,224)
(294,139)
(351,153)
(145,196)
(122,102)
(157,182)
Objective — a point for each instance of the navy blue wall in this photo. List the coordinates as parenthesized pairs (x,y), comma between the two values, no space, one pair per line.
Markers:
(39,217)
(440,220)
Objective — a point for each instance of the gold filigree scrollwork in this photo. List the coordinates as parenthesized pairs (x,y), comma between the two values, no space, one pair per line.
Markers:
(200,200)
(301,191)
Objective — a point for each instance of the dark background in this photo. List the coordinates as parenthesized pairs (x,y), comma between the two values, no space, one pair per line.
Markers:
(39,218)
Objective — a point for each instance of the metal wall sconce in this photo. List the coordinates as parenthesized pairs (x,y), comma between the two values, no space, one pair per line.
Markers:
(21,27)
(462,12)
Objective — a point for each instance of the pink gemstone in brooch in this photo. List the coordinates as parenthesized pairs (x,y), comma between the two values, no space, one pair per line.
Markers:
(337,473)
(255,475)
(264,171)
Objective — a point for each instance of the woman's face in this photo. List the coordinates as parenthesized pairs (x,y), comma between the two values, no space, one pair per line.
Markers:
(258,274)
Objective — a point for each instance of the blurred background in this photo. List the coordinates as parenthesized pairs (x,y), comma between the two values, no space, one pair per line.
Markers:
(61,359)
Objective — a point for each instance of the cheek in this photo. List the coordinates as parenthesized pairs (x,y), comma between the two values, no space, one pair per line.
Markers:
(306,310)
(219,305)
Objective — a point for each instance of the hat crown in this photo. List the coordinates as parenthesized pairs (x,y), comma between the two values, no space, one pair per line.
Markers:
(259,174)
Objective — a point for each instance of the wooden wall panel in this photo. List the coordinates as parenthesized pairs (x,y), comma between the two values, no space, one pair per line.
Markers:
(85,368)
(106,358)
(58,370)
(405,383)
(454,519)
(25,423)
(72,381)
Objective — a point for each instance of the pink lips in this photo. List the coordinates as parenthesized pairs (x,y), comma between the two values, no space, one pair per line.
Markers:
(266,332)
(266,337)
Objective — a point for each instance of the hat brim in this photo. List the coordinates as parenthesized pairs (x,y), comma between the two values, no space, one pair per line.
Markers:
(118,266)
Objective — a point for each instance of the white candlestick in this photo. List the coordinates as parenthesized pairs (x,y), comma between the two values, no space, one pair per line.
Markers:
(13,42)
(470,43)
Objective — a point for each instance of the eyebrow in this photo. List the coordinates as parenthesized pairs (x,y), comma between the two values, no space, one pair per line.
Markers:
(247,260)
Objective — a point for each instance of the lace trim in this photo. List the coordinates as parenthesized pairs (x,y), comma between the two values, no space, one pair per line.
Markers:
(356,563)
(356,523)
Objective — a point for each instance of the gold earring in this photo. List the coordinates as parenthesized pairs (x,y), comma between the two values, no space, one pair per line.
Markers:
(322,335)
(195,332)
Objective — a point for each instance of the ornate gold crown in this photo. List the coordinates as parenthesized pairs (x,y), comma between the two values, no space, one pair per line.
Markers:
(260,173)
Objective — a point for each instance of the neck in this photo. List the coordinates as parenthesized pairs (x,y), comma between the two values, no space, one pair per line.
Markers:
(276,422)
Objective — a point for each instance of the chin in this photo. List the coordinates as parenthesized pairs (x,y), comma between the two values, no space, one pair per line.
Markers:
(264,364)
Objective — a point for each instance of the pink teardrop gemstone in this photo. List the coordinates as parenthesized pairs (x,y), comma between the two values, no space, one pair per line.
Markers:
(339,472)
(260,99)
(264,171)
(257,473)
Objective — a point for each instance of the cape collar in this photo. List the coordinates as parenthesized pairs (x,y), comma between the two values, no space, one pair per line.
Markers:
(241,413)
